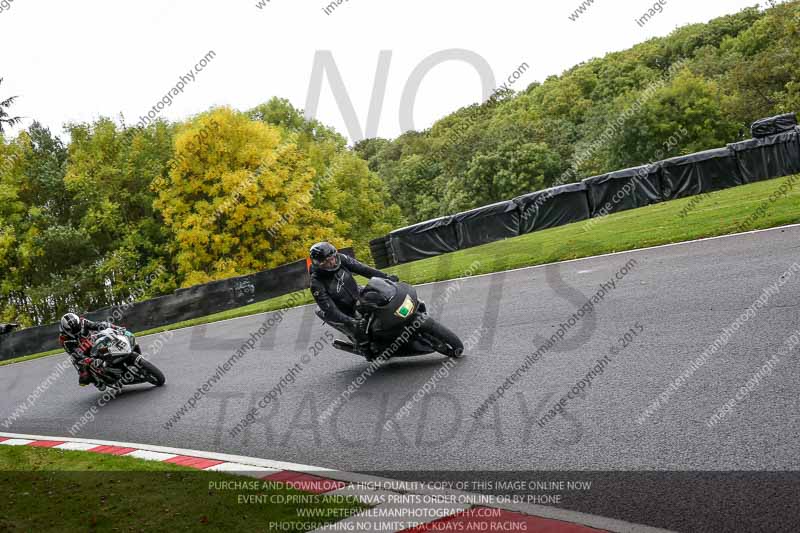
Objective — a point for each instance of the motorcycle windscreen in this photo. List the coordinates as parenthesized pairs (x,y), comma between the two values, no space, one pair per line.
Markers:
(397,313)
(112,341)
(377,293)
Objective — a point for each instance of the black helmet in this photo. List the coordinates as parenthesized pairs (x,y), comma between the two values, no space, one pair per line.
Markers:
(70,325)
(322,251)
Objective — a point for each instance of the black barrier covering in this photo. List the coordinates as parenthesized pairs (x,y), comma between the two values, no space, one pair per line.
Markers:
(624,189)
(553,207)
(381,252)
(184,304)
(8,328)
(487,224)
(770,157)
(773,125)
(426,239)
(390,258)
(757,159)
(692,174)
(29,341)
(377,247)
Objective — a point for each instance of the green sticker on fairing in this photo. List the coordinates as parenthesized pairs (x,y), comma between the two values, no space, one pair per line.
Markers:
(406,309)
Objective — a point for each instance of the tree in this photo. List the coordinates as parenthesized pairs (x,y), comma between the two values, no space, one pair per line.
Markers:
(343,185)
(363,207)
(280,112)
(80,231)
(318,142)
(239,199)
(13,305)
(109,176)
(38,243)
(764,61)
(711,79)
(687,101)
(369,150)
(513,169)
(5,118)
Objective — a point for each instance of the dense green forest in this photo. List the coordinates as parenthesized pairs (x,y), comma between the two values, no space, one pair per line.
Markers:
(606,114)
(124,213)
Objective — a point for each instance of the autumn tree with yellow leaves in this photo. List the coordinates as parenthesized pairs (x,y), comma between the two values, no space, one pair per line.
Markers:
(233,180)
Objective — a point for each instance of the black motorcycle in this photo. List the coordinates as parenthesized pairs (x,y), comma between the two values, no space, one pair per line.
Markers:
(398,324)
(124,363)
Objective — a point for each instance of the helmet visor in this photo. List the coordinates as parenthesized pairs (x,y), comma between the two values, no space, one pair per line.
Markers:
(330,263)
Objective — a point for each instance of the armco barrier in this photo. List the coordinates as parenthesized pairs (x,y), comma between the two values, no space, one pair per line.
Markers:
(765,157)
(184,304)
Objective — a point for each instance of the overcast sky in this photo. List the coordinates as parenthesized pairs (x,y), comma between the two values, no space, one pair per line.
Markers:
(78,60)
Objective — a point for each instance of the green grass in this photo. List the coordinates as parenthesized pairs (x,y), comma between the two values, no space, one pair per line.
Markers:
(58,490)
(718,213)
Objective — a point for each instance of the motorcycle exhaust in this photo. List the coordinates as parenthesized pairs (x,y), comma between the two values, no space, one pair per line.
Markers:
(345,346)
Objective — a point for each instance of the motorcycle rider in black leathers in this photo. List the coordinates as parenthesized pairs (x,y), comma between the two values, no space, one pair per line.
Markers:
(74,337)
(336,291)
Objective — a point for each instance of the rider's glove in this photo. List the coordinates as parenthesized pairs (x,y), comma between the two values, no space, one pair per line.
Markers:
(359,328)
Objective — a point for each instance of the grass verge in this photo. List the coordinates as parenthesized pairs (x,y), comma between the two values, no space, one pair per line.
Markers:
(748,207)
(59,490)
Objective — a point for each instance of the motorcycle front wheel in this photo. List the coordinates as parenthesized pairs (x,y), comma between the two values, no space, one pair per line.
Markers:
(152,373)
(442,339)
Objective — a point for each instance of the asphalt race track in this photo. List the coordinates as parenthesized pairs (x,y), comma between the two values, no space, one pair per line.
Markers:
(677,299)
